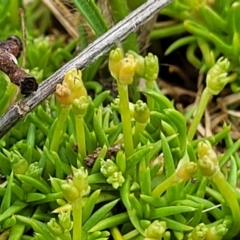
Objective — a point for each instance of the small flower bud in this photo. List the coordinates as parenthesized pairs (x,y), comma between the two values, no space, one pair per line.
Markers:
(34,170)
(71,88)
(80,105)
(207,167)
(108,167)
(80,180)
(208,161)
(116,179)
(63,94)
(141,112)
(127,70)
(65,220)
(217,232)
(217,76)
(140,64)
(199,232)
(205,149)
(70,192)
(151,67)
(18,163)
(185,171)
(54,227)
(155,230)
(73,79)
(115,62)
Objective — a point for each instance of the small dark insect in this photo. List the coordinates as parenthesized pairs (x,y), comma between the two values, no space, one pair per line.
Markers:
(10,49)
(194,180)
(69,177)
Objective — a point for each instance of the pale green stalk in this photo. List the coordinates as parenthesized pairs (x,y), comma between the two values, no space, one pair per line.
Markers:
(77,219)
(150,101)
(199,113)
(126,118)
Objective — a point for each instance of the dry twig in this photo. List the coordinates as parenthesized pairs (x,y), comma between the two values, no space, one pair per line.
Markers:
(81,61)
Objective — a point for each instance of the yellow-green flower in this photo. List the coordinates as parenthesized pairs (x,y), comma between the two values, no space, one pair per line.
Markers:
(63,94)
(147,67)
(122,68)
(141,112)
(217,76)
(71,88)
(151,67)
(70,192)
(155,230)
(186,170)
(73,79)
(127,70)
(80,180)
(115,62)
(108,167)
(19,164)
(207,159)
(65,220)
(54,227)
(80,105)
(198,233)
(116,179)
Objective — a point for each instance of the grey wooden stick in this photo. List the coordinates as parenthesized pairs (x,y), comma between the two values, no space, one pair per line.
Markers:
(81,61)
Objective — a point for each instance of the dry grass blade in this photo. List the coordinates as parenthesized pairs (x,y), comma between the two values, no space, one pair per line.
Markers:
(63,15)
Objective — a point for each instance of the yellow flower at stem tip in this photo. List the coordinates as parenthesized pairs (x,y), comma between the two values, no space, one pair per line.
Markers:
(73,79)
(115,61)
(71,88)
(122,68)
(186,171)
(63,94)
(151,67)
(80,105)
(127,70)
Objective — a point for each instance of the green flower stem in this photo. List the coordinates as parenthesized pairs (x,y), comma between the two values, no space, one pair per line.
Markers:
(77,218)
(80,136)
(59,128)
(199,113)
(150,100)
(139,128)
(126,118)
(231,199)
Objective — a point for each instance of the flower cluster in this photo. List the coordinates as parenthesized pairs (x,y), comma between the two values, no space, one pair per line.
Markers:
(110,170)
(72,92)
(62,227)
(77,187)
(122,68)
